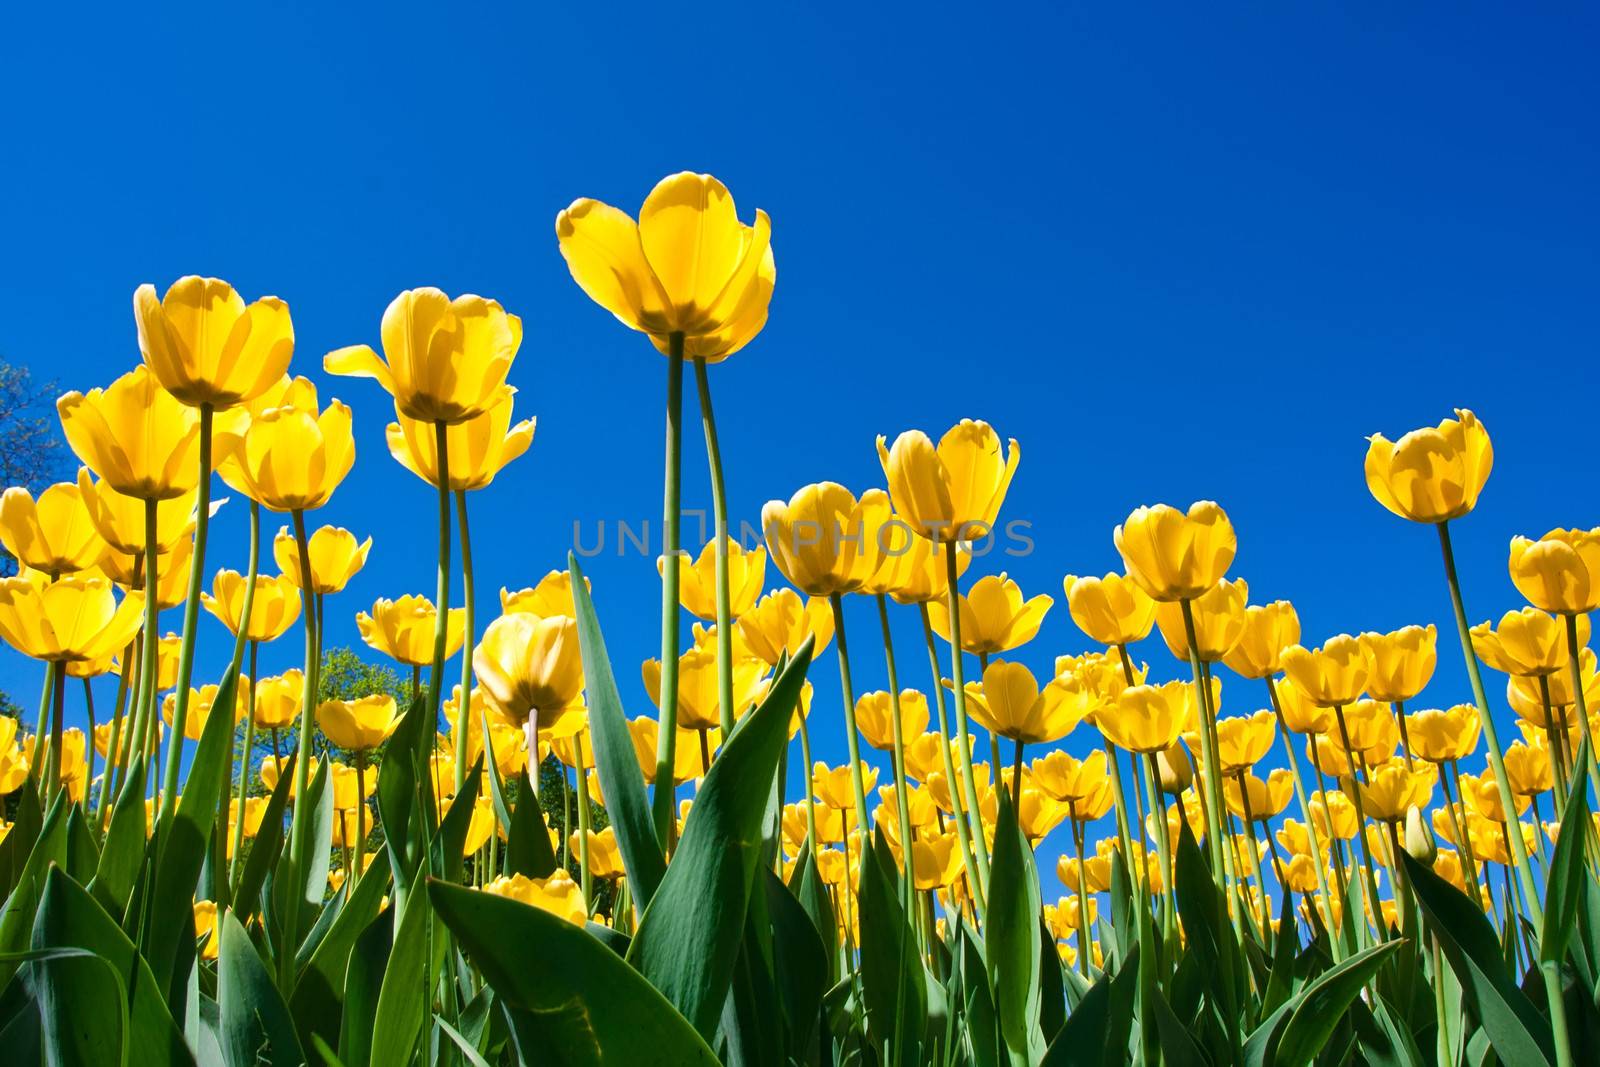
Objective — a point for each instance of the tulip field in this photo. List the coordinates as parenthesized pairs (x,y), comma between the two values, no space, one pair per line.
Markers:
(1278,850)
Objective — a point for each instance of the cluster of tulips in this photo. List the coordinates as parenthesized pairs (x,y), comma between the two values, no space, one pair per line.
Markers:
(256,874)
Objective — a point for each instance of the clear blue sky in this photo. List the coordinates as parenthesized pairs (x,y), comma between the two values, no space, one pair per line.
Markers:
(1176,253)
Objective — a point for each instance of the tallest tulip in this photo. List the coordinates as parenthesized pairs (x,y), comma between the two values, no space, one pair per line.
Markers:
(698,281)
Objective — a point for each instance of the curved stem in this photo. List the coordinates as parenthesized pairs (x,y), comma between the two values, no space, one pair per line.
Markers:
(1208,754)
(852,737)
(585,877)
(464,705)
(139,739)
(308,700)
(719,511)
(361,815)
(667,698)
(441,625)
(1361,825)
(58,705)
(969,782)
(114,757)
(191,619)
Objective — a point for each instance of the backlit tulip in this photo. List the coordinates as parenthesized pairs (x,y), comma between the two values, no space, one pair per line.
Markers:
(443,360)
(1527,643)
(140,439)
(202,702)
(1266,798)
(831,785)
(1010,703)
(1432,474)
(508,741)
(291,458)
(551,596)
(688,266)
(1243,740)
(914,569)
(54,534)
(686,766)
(935,861)
(875,717)
(1066,777)
(1268,630)
(697,684)
(558,894)
(1527,698)
(1335,816)
(1528,767)
(359,725)
(478,448)
(336,557)
(1112,610)
(1560,572)
(531,665)
(207,346)
(994,616)
(1176,555)
(205,925)
(271,770)
(780,622)
(1145,718)
(403,629)
(274,609)
(120,519)
(1481,797)
(1443,736)
(74,618)
(1400,663)
(952,492)
(824,540)
(1391,789)
(1219,621)
(923,758)
(1332,675)
(1302,715)
(278,699)
(697,586)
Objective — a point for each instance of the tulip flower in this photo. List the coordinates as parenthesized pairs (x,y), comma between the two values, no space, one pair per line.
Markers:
(359,725)
(1174,555)
(530,667)
(1391,789)
(72,619)
(291,458)
(551,596)
(1219,621)
(1560,572)
(558,894)
(202,703)
(833,785)
(697,685)
(1243,740)
(1528,643)
(825,541)
(874,711)
(1400,663)
(205,925)
(994,616)
(209,348)
(1010,703)
(1433,474)
(697,589)
(55,534)
(1268,630)
(1248,797)
(1528,767)
(913,569)
(478,448)
(1145,718)
(273,610)
(403,629)
(336,557)
(1065,777)
(140,439)
(687,766)
(1113,610)
(952,492)
(1444,736)
(1330,676)
(779,623)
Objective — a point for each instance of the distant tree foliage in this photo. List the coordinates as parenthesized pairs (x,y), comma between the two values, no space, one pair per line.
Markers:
(31,452)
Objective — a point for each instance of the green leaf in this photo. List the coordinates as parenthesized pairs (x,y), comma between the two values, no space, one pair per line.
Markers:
(1012,936)
(584,1004)
(752,1031)
(528,849)
(1211,936)
(254,1025)
(319,994)
(19,842)
(466,1047)
(403,998)
(124,850)
(74,993)
(893,991)
(362,980)
(688,938)
(16,918)
(453,827)
(1564,882)
(266,846)
(1321,1005)
(83,855)
(1520,1035)
(1098,1030)
(800,965)
(620,779)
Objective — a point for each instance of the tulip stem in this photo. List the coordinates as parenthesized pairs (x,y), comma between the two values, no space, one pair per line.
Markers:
(1574,654)
(719,511)
(191,619)
(58,705)
(139,737)
(244,772)
(586,878)
(667,696)
(1462,828)
(1361,823)
(114,757)
(811,800)
(308,707)
(46,695)
(1305,813)
(252,569)
(1514,843)
(963,830)
(88,749)
(441,625)
(1158,812)
(969,782)
(897,735)
(464,704)
(361,814)
(1208,756)
(852,738)
(1084,944)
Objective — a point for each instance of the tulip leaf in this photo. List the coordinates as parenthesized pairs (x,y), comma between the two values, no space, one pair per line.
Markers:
(362,979)
(83,855)
(1320,1006)
(1211,937)
(1517,1031)
(1568,870)
(319,994)
(16,918)
(453,827)
(403,998)
(124,850)
(73,993)
(582,1002)
(799,962)
(752,1031)
(1097,1031)
(893,990)
(1011,945)
(267,845)
(253,1024)
(528,850)
(621,782)
(688,937)
(19,841)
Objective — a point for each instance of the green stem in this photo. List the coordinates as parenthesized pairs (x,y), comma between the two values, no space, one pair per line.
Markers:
(852,737)
(1361,824)
(585,877)
(308,700)
(88,749)
(441,625)
(902,804)
(1305,813)
(58,705)
(464,705)
(1574,650)
(963,834)
(114,758)
(969,782)
(252,569)
(244,772)
(191,619)
(667,698)
(1213,780)
(719,511)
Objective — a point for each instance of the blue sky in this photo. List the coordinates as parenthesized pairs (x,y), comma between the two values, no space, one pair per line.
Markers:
(1177,254)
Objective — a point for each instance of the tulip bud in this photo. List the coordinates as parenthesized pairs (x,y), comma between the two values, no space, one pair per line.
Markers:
(1174,770)
(1419,839)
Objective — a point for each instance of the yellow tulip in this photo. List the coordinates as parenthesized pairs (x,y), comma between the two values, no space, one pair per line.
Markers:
(275,608)
(1176,555)
(15,761)
(697,588)
(605,857)
(875,717)
(1243,740)
(271,770)
(507,739)
(994,616)
(697,684)
(403,629)
(70,619)
(278,699)
(205,926)
(1528,642)
(1432,474)
(1391,789)
(935,861)
(207,346)
(119,519)
(1094,872)
(1335,816)
(1527,698)
(1174,770)
(1268,630)
(779,623)
(688,266)
(140,439)
(336,557)
(1010,703)
(1443,736)
(824,540)
(93,668)
(202,702)
(480,825)
(1528,767)
(444,360)
(1112,610)
(831,785)
(54,534)
(1302,715)
(686,766)
(477,448)
(1560,572)
(1146,718)
(572,745)
(913,569)
(531,665)
(952,492)
(1332,675)
(1219,621)
(552,596)
(1067,778)
(1481,797)
(359,725)
(350,788)
(1400,663)
(1267,798)
(291,458)
(558,894)
(923,758)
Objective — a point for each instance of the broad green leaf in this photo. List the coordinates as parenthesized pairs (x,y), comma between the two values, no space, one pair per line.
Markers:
(583,1002)
(1321,1005)
(253,1024)
(800,963)
(19,841)
(265,847)
(1211,937)
(620,779)
(753,1026)
(83,855)
(1097,1032)
(403,998)
(1012,936)
(123,854)
(1520,1035)
(528,849)
(688,938)
(1568,870)
(893,991)
(453,827)
(16,918)
(319,994)
(362,979)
